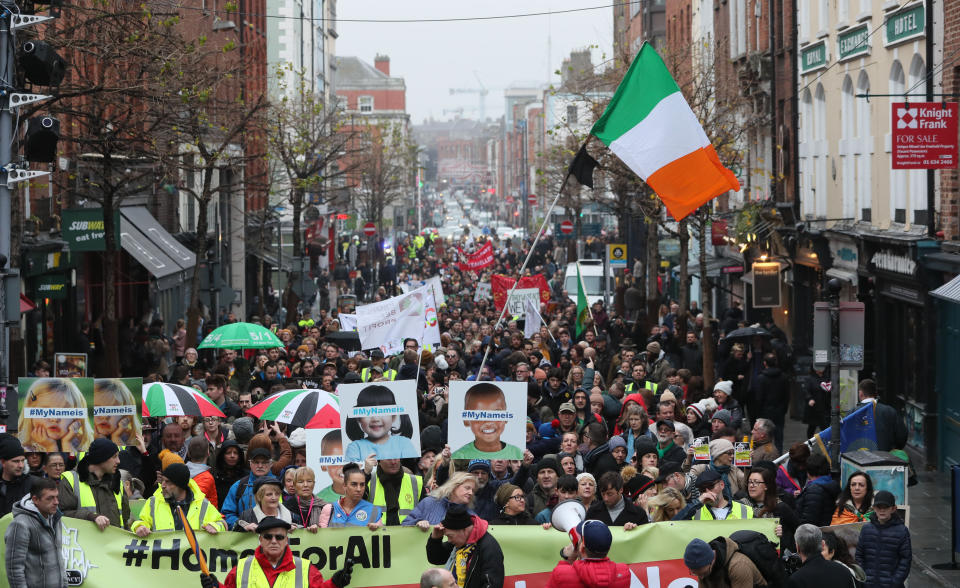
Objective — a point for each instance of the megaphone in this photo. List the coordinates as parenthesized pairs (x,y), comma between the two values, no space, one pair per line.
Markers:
(567,515)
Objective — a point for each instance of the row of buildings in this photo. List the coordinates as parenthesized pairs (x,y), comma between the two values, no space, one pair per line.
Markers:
(271,48)
(815,81)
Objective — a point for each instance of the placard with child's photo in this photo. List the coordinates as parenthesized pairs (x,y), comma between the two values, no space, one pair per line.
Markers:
(380,418)
(117,409)
(325,458)
(487,420)
(55,414)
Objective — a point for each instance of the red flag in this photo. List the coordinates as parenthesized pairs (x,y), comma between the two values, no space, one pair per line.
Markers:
(500,285)
(478,260)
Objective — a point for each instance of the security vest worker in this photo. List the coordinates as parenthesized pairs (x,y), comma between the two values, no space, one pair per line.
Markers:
(273,565)
(396,492)
(652,387)
(376,358)
(94,492)
(177,489)
(713,504)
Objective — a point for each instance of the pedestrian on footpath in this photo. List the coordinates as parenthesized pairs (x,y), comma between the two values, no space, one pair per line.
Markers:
(34,539)
(884,550)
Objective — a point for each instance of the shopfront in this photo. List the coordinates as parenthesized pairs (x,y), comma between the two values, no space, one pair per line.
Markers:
(946,265)
(900,352)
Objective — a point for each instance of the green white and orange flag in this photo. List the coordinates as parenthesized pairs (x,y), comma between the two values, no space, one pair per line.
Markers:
(651,128)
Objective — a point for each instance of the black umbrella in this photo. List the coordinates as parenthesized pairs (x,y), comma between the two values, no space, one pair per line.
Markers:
(346,340)
(747,333)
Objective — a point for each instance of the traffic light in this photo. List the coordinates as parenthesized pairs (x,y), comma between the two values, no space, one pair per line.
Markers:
(41,65)
(40,140)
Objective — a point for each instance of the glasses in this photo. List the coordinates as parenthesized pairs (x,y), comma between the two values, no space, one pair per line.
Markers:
(518,497)
(271,537)
(755,483)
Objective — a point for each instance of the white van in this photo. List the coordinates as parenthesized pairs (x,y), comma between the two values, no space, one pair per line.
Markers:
(591,271)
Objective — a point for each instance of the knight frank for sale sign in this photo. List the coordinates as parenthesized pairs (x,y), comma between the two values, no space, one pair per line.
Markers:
(924,135)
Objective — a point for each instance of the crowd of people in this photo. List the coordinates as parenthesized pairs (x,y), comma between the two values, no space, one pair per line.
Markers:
(618,418)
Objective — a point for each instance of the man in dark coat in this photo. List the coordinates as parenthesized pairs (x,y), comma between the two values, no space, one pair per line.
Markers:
(774,396)
(14,483)
(614,510)
(470,553)
(816,571)
(884,550)
(891,430)
(816,503)
(598,459)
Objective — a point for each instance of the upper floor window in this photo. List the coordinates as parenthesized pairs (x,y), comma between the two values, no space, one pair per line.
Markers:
(365,103)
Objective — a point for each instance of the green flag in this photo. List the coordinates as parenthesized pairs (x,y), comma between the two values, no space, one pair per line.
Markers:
(583,309)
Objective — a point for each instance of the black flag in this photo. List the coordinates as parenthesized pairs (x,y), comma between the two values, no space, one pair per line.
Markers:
(582,167)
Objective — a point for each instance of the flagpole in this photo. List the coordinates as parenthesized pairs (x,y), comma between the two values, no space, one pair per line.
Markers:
(584,288)
(543,322)
(533,247)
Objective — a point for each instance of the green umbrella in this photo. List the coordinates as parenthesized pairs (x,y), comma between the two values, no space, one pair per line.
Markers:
(240,336)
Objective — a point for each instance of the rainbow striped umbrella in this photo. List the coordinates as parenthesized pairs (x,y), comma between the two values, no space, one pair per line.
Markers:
(160,399)
(311,409)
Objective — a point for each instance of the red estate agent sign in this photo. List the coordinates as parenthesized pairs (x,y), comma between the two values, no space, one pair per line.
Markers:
(924,135)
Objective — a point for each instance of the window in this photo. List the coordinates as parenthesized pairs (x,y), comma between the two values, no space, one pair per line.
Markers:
(805,148)
(864,149)
(572,114)
(365,103)
(917,178)
(898,177)
(820,150)
(848,179)
(803,20)
(843,11)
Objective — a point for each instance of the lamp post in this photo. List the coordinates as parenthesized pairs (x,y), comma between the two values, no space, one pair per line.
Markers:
(833,296)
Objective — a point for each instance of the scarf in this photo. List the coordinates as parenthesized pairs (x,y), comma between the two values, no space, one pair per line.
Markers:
(724,472)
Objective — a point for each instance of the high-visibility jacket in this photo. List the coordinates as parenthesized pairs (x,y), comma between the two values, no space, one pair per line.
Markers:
(737,511)
(158,516)
(84,494)
(647,385)
(250,574)
(409,494)
(387,373)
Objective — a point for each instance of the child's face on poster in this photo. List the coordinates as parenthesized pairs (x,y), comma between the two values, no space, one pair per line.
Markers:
(487,432)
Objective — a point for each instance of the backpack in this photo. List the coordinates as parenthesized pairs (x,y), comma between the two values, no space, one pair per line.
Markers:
(763,553)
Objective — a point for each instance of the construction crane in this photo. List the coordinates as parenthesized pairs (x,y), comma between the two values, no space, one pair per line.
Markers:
(481,93)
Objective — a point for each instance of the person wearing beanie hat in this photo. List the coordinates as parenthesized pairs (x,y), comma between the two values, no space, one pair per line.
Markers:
(14,483)
(240,497)
(243,430)
(720,420)
(547,472)
(723,395)
(720,563)
(645,450)
(618,449)
(475,555)
(696,416)
(657,364)
(94,490)
(716,484)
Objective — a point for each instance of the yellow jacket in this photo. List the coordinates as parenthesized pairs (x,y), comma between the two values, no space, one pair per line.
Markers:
(158,516)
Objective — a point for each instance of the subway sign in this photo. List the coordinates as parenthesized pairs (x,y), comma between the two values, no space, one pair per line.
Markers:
(905,24)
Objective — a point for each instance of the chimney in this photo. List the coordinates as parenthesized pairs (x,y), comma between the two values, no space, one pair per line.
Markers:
(382,63)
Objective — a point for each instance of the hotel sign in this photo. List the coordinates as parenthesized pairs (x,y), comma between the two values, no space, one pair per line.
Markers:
(905,24)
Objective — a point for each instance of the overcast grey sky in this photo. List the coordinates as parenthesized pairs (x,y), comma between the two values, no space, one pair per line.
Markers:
(436,56)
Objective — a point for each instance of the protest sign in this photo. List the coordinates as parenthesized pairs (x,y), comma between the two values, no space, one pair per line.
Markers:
(500,285)
(391,556)
(435,284)
(55,414)
(518,299)
(701,449)
(116,409)
(325,458)
(477,260)
(741,454)
(380,418)
(348,322)
(487,420)
(70,365)
(483,292)
(386,324)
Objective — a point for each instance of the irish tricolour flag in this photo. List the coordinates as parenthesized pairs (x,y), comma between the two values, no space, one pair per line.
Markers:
(649,125)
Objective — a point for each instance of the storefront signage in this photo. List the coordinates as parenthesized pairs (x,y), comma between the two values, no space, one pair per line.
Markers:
(889,261)
(905,24)
(924,135)
(52,286)
(766,284)
(84,229)
(813,57)
(853,42)
(732,269)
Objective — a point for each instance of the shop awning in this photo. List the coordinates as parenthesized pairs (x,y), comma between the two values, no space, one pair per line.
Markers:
(716,266)
(844,275)
(949,291)
(150,244)
(26,305)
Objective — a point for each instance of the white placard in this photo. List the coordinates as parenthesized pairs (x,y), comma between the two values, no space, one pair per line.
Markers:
(517,301)
(487,420)
(389,436)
